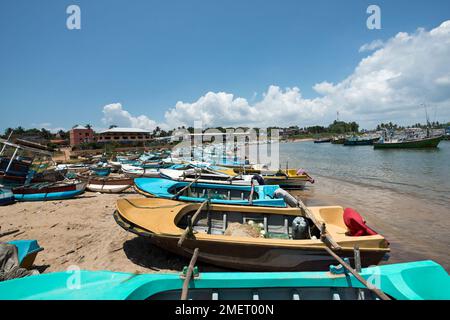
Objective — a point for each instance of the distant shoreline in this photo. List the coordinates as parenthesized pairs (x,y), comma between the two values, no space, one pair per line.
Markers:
(300,140)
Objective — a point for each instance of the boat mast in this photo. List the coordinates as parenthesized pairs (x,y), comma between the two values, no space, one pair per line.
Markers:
(428,120)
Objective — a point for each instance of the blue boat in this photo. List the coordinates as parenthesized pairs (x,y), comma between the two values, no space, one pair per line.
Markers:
(102,171)
(27,251)
(47,192)
(6,197)
(218,193)
(424,280)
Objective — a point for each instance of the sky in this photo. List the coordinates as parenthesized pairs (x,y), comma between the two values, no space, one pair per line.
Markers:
(225,63)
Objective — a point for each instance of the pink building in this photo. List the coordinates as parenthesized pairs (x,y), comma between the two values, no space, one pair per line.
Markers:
(80,134)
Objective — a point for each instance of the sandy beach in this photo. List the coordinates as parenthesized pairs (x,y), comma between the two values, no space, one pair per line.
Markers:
(82,232)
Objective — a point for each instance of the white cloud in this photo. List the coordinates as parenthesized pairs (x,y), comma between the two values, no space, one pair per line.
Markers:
(376,44)
(114,114)
(388,85)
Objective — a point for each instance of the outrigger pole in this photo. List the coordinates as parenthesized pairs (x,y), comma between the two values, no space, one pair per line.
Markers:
(331,245)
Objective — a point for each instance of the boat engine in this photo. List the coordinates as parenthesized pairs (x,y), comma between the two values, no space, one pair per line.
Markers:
(300,229)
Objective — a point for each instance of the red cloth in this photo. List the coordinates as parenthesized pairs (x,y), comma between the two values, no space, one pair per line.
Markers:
(356,225)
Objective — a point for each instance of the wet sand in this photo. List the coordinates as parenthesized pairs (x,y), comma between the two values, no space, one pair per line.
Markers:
(416,230)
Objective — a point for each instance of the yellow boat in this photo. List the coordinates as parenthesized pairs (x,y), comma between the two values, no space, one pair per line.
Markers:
(285,178)
(164,222)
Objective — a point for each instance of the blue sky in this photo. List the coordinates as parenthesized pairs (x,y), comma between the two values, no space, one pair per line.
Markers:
(148,55)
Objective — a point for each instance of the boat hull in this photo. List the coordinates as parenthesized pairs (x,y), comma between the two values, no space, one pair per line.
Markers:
(421,280)
(49,194)
(104,188)
(260,258)
(425,143)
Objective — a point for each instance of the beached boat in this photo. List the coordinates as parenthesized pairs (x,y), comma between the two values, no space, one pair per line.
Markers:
(276,246)
(49,191)
(288,179)
(360,141)
(6,196)
(107,184)
(291,179)
(206,175)
(422,280)
(139,172)
(101,171)
(199,192)
(27,251)
(426,142)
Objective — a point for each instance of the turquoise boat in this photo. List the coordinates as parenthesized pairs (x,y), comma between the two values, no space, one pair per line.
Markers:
(218,193)
(47,192)
(6,197)
(425,280)
(27,251)
(102,172)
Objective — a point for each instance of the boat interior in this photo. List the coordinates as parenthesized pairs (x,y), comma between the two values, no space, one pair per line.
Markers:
(214,193)
(274,226)
(309,293)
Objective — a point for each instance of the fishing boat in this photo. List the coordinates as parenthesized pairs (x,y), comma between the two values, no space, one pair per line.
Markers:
(421,280)
(49,191)
(199,192)
(360,141)
(101,171)
(206,175)
(338,140)
(73,168)
(290,179)
(6,196)
(411,139)
(15,170)
(275,245)
(323,140)
(138,172)
(27,251)
(107,184)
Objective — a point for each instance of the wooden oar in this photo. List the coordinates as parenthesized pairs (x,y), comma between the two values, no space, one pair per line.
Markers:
(189,272)
(252,191)
(177,195)
(325,236)
(190,223)
(377,291)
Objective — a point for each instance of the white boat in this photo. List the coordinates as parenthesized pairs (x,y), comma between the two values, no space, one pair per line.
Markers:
(206,176)
(107,184)
(138,172)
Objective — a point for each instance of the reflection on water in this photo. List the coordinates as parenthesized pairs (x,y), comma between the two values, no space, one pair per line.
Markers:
(404,194)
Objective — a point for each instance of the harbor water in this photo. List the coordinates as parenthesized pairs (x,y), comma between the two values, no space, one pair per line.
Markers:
(403,194)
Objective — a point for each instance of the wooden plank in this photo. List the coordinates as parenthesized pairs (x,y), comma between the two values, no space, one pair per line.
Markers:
(178,194)
(190,270)
(191,222)
(7,233)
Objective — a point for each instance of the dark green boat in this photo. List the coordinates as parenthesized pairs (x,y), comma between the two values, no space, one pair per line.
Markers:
(431,142)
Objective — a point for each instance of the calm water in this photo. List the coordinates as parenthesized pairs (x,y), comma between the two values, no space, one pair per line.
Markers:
(404,194)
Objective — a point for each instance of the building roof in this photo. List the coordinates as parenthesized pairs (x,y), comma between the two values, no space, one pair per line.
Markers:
(125,130)
(79,128)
